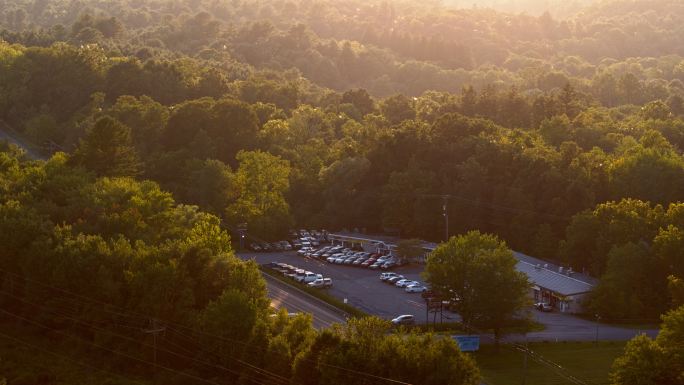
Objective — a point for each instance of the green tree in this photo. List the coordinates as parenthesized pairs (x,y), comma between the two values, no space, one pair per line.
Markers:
(654,362)
(107,149)
(261,182)
(409,250)
(478,272)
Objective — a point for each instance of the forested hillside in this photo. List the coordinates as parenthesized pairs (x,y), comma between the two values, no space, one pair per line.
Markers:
(168,123)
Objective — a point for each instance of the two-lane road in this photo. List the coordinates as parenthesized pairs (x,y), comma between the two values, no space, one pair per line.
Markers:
(296,301)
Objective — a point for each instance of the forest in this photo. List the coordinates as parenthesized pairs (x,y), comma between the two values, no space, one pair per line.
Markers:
(561,131)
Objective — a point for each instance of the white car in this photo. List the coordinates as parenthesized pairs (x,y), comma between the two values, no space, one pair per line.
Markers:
(386,276)
(321,283)
(405,282)
(406,319)
(308,277)
(415,289)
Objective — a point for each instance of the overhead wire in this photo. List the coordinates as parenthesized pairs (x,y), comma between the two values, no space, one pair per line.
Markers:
(81,363)
(349,371)
(188,375)
(137,341)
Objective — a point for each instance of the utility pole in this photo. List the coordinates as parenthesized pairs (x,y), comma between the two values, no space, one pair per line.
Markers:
(445,211)
(242,229)
(524,379)
(154,330)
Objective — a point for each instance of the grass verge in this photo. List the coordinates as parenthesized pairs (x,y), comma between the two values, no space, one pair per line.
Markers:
(586,361)
(318,293)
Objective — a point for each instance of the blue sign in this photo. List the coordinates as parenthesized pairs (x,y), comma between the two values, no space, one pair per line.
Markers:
(468,343)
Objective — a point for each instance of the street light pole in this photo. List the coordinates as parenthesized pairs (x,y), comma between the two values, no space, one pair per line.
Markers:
(598,318)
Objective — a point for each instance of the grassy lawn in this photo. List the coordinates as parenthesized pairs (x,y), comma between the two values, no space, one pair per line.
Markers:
(583,360)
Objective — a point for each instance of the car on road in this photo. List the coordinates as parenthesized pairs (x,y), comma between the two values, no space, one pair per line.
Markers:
(415,289)
(321,283)
(543,306)
(405,319)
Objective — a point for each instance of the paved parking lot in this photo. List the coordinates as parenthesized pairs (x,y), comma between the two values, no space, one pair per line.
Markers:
(361,287)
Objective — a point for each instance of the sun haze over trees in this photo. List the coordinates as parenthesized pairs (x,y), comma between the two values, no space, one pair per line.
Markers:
(556,126)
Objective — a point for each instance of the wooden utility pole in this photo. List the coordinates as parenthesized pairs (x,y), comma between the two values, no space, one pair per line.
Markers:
(154,330)
(445,211)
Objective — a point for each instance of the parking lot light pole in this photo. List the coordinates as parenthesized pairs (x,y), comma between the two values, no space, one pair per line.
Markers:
(598,318)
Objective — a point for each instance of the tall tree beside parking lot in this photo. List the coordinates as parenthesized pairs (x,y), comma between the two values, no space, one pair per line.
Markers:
(261,181)
(654,362)
(477,271)
(410,249)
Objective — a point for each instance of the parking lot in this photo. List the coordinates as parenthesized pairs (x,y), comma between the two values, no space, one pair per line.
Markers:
(361,287)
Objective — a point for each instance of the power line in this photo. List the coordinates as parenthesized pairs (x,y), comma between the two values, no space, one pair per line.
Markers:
(494,206)
(107,349)
(168,323)
(64,357)
(53,311)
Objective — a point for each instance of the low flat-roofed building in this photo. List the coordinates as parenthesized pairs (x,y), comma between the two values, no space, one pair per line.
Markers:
(564,289)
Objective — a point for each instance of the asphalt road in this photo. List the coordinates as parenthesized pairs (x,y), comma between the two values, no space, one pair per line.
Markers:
(363,289)
(296,301)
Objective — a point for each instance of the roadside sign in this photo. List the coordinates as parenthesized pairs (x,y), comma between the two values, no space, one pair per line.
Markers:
(468,343)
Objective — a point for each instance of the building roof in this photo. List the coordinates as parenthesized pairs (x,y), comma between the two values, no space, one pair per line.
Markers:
(555,267)
(553,281)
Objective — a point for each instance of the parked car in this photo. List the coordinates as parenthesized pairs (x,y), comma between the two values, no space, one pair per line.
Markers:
(309,277)
(415,289)
(285,245)
(406,319)
(543,306)
(321,283)
(304,250)
(350,260)
(386,276)
(368,262)
(403,282)
(394,279)
(296,273)
(255,247)
(359,261)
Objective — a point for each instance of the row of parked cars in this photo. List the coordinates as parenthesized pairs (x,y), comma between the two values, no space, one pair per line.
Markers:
(300,275)
(398,280)
(300,239)
(273,246)
(344,256)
